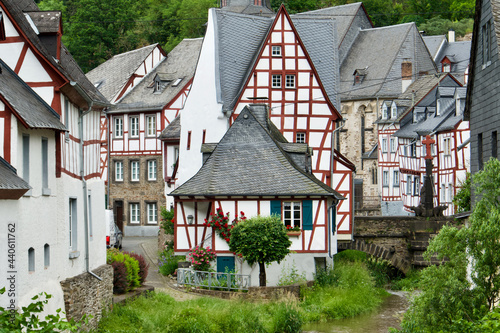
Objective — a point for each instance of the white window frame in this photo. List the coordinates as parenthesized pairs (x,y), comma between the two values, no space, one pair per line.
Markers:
(152,169)
(300,137)
(447,146)
(118,127)
(135,213)
(443,193)
(408,184)
(396,178)
(393,145)
(152,212)
(134,126)
(276,81)
(385,113)
(290,208)
(384,145)
(385,178)
(290,81)
(134,171)
(416,185)
(118,171)
(450,192)
(151,125)
(394,111)
(276,51)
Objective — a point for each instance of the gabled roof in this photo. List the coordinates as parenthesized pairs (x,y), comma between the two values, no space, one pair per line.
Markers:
(11,185)
(66,66)
(46,21)
(111,76)
(248,7)
(236,63)
(26,104)
(173,131)
(180,63)
(434,44)
(375,49)
(458,53)
(248,161)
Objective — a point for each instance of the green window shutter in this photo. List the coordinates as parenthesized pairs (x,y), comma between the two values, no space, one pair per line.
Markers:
(307,220)
(276,207)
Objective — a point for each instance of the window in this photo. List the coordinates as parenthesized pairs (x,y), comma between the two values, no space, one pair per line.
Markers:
(189,141)
(276,51)
(135,216)
(480,151)
(414,149)
(31,259)
(151,125)
(394,111)
(447,146)
(152,170)
(486,31)
(119,171)
(26,157)
(405,150)
(46,255)
(134,127)
(45,167)
(294,213)
(450,192)
(276,83)
(384,145)
(443,193)
(73,224)
(416,185)
(374,176)
(152,213)
(134,171)
(494,144)
(396,178)
(408,184)
(291,213)
(393,145)
(385,178)
(446,67)
(119,127)
(290,81)
(2,27)
(300,137)
(385,113)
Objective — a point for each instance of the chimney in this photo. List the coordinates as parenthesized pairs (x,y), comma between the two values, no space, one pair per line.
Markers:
(406,74)
(451,36)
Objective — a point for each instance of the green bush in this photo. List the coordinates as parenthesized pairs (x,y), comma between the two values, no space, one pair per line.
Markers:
(168,262)
(131,266)
(288,318)
(290,275)
(326,277)
(167,217)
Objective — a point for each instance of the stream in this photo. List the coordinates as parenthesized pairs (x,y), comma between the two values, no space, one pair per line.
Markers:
(386,316)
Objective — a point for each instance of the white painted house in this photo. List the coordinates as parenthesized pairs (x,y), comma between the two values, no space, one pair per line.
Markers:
(49,149)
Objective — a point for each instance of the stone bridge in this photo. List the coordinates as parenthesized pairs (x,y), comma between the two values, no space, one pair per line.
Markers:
(402,240)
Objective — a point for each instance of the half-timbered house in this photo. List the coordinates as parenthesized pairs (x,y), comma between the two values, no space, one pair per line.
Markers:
(287,62)
(255,170)
(148,88)
(49,148)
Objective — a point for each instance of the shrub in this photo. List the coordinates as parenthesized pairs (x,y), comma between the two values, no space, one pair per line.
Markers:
(143,266)
(120,281)
(326,277)
(167,217)
(288,318)
(131,266)
(168,262)
(200,258)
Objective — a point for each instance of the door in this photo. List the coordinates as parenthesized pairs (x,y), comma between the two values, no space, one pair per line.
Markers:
(225,264)
(119,214)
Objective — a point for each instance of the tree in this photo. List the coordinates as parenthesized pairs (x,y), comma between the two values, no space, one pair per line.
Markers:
(261,240)
(465,287)
(462,199)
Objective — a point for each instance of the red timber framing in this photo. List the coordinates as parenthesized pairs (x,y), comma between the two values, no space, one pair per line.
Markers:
(300,107)
(343,170)
(174,107)
(190,235)
(5,122)
(103,134)
(388,161)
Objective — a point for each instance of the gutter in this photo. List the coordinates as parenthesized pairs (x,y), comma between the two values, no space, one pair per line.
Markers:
(332,224)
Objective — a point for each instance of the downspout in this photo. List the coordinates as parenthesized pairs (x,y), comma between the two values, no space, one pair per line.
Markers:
(82,114)
(334,132)
(107,157)
(332,224)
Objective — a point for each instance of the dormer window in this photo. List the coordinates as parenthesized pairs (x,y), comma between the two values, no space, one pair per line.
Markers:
(457,107)
(446,68)
(157,86)
(160,82)
(176,82)
(385,113)
(276,51)
(394,110)
(359,76)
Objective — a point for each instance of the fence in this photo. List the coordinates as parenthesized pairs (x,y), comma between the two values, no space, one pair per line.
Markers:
(212,280)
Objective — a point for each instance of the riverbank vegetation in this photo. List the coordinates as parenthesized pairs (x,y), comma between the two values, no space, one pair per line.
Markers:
(459,295)
(346,291)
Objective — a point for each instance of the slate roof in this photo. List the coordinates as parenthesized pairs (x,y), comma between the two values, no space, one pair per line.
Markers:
(172,131)
(433,44)
(458,53)
(111,76)
(46,21)
(11,185)
(344,15)
(67,65)
(180,63)
(248,161)
(26,103)
(248,7)
(378,46)
(235,63)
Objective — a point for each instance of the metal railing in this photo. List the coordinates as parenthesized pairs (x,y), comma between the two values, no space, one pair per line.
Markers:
(212,280)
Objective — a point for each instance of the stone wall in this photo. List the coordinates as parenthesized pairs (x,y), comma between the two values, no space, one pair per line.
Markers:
(85,294)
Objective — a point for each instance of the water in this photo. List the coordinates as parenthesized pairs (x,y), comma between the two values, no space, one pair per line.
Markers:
(387,315)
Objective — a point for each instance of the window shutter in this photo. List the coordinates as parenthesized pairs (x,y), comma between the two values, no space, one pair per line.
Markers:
(307,221)
(276,207)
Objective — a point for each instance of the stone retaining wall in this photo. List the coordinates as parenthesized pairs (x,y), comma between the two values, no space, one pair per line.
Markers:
(85,294)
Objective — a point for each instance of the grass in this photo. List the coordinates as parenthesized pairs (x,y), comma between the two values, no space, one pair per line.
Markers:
(347,291)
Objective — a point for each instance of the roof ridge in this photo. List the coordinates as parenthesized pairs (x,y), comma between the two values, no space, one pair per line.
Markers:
(136,50)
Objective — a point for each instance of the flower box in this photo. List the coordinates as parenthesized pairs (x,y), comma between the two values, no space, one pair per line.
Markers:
(294,233)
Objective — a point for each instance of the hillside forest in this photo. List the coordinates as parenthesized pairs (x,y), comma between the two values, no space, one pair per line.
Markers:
(95,30)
